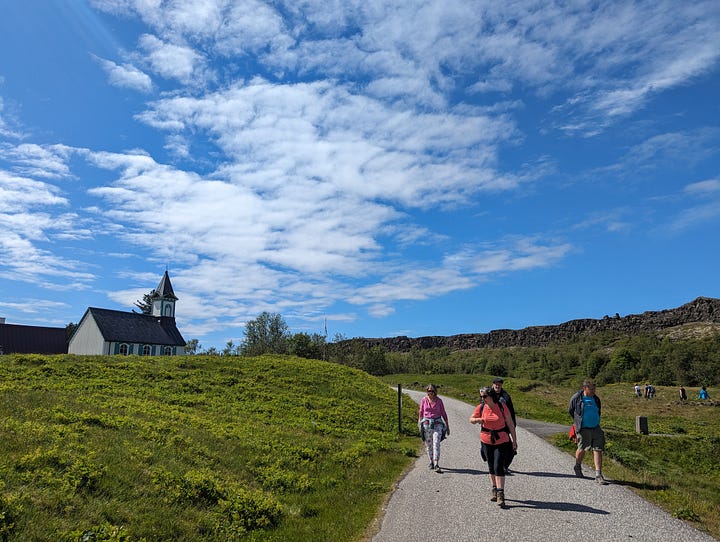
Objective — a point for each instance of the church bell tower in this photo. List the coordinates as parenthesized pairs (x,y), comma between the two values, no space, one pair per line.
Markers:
(163,298)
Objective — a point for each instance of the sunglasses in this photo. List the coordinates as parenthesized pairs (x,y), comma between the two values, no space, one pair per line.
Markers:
(430,391)
(483,396)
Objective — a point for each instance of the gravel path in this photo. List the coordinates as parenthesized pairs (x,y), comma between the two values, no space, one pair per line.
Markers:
(544,499)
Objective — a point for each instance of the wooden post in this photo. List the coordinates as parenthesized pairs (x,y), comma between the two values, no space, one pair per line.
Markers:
(399,408)
(641,425)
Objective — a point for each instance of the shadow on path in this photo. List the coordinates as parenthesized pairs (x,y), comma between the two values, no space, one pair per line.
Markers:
(640,485)
(546,474)
(559,506)
(474,472)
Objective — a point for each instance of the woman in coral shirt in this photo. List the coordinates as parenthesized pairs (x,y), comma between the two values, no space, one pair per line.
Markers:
(497,427)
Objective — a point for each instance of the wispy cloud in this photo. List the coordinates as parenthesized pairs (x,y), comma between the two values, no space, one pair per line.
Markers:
(126,76)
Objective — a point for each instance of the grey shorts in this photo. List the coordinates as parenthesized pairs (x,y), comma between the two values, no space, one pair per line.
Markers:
(591,438)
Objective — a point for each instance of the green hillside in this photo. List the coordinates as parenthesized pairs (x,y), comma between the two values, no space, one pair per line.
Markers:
(194,448)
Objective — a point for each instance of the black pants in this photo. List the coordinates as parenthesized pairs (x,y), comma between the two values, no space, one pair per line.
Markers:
(498,457)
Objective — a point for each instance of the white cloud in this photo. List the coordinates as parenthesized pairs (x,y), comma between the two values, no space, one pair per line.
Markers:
(126,76)
(20,194)
(708,187)
(613,56)
(5,129)
(357,145)
(48,161)
(169,60)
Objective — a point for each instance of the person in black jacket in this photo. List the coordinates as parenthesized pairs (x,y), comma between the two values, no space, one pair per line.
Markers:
(584,408)
(504,398)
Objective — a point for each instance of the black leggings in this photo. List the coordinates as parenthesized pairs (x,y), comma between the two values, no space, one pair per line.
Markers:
(496,457)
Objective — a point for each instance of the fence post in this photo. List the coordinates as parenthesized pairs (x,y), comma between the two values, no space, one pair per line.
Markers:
(641,425)
(399,408)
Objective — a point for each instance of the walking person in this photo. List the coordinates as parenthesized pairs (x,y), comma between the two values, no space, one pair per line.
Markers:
(683,394)
(703,394)
(434,425)
(504,398)
(584,408)
(495,444)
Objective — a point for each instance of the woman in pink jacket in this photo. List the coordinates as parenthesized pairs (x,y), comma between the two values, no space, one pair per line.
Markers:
(433,424)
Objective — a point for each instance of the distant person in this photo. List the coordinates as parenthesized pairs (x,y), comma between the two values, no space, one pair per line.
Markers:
(638,390)
(703,394)
(683,394)
(495,443)
(434,425)
(647,391)
(584,408)
(504,398)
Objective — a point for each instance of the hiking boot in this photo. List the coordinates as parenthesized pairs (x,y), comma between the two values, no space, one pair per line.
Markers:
(578,470)
(494,495)
(431,466)
(600,480)
(438,469)
(501,497)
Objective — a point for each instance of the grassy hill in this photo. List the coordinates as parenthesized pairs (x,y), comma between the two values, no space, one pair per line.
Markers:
(194,448)
(277,448)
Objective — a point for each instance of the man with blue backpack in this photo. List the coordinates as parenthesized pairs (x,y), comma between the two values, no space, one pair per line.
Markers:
(584,408)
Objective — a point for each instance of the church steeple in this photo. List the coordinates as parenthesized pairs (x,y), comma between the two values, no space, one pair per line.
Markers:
(163,298)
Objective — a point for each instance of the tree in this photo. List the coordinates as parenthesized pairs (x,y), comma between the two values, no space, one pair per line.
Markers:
(307,346)
(70,329)
(192,346)
(267,334)
(230,349)
(145,305)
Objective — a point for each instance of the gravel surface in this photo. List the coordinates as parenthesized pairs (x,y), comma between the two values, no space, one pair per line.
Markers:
(544,499)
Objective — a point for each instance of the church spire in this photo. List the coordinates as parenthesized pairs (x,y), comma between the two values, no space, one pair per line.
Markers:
(163,298)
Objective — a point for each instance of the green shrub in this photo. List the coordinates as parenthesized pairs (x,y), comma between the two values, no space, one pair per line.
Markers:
(196,487)
(245,511)
(9,510)
(100,533)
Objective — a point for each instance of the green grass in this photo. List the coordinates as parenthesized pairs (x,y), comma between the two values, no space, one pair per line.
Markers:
(195,448)
(676,466)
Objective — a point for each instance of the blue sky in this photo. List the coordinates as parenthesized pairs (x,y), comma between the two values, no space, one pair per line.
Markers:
(392,168)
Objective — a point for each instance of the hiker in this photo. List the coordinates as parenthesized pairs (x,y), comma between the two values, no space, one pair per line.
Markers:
(703,394)
(638,390)
(433,424)
(504,398)
(683,394)
(584,408)
(495,444)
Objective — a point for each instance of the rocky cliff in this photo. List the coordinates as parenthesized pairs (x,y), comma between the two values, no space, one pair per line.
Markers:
(703,310)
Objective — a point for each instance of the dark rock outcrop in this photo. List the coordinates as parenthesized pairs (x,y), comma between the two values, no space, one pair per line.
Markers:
(701,310)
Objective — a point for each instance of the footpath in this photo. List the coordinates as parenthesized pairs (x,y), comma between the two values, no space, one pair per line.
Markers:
(544,498)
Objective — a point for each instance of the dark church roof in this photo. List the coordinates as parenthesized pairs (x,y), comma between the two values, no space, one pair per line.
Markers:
(17,339)
(132,327)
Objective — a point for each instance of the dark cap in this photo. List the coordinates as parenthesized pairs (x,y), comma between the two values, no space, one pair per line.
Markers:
(498,380)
